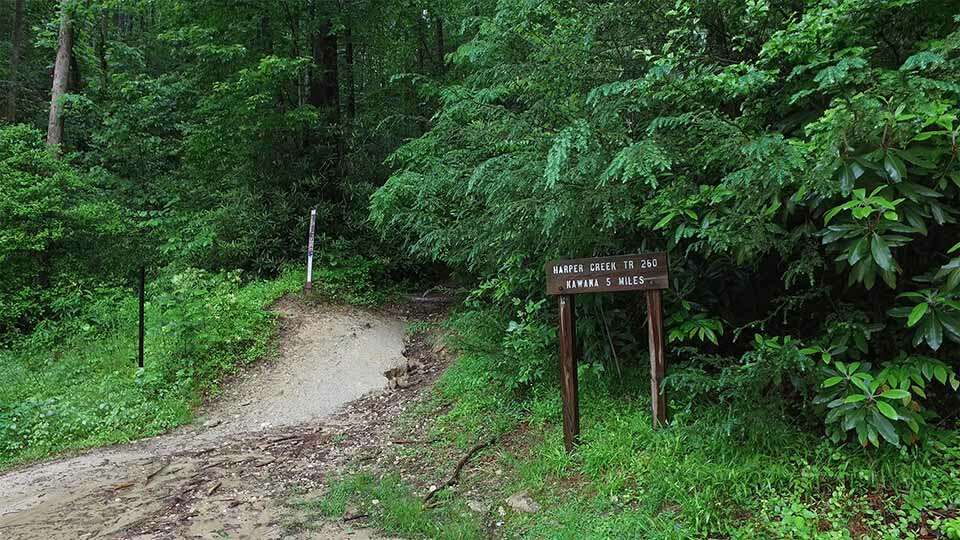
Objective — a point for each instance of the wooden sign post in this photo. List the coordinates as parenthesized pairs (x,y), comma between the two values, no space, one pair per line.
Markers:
(644,272)
(313,227)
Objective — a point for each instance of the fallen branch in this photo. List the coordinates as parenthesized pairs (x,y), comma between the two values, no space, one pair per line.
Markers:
(282,439)
(213,488)
(154,473)
(370,456)
(347,519)
(454,477)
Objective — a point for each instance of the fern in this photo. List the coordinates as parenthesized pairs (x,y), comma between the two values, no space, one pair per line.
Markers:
(643,161)
(570,139)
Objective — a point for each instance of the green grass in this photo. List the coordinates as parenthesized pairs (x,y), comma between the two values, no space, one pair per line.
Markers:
(716,472)
(75,384)
(391,507)
(699,479)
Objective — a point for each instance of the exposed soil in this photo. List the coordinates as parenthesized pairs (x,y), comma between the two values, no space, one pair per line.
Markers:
(283,427)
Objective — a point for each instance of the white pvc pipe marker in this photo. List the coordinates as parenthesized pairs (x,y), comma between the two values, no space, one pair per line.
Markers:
(313,227)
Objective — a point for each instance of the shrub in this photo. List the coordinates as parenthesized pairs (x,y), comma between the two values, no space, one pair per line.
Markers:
(802,173)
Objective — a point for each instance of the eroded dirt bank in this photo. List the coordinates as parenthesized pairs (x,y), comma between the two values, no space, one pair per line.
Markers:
(285,425)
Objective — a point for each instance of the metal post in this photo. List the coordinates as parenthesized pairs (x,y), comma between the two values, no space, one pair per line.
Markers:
(143,284)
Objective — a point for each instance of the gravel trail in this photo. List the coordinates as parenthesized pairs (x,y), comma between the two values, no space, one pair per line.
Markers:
(226,475)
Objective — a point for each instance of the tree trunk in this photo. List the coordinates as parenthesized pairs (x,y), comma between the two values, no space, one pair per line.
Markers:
(351,84)
(102,52)
(422,48)
(324,84)
(61,77)
(324,94)
(15,55)
(441,61)
(75,85)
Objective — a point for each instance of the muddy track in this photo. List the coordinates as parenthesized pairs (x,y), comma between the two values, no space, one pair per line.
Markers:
(286,425)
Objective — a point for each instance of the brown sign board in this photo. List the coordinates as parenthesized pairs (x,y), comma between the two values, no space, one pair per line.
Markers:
(638,272)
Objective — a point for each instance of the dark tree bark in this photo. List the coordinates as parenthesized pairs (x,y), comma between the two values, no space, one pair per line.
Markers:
(441,52)
(15,57)
(101,48)
(61,77)
(76,80)
(351,84)
(324,83)
(324,94)
(266,34)
(422,49)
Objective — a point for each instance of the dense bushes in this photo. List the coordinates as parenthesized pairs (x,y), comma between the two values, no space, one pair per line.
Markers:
(198,134)
(59,237)
(75,383)
(799,162)
(734,465)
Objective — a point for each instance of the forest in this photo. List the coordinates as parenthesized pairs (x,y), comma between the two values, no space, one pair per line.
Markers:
(798,160)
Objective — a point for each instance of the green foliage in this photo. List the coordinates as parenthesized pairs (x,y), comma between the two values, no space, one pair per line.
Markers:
(198,136)
(352,279)
(950,528)
(519,342)
(200,326)
(393,509)
(707,476)
(871,407)
(937,314)
(201,134)
(788,158)
(51,223)
(686,325)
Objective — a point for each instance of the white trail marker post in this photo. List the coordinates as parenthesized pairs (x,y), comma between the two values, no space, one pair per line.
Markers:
(313,226)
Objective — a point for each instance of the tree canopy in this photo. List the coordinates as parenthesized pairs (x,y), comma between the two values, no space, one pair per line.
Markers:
(798,161)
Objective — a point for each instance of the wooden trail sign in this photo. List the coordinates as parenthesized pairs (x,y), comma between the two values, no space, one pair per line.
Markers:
(641,272)
(608,274)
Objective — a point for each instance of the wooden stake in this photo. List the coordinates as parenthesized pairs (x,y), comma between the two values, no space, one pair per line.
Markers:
(657,362)
(143,286)
(568,372)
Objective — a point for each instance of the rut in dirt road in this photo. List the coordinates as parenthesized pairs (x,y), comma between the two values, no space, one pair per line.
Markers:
(226,474)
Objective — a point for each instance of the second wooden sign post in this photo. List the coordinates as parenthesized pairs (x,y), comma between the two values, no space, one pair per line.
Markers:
(643,272)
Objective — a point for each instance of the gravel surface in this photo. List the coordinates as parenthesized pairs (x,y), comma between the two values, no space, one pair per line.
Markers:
(284,424)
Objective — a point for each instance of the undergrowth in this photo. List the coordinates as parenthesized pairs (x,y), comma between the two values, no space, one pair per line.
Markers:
(353,279)
(389,505)
(719,471)
(75,383)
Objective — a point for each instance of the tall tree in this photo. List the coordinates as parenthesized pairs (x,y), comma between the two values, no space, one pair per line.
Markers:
(351,83)
(101,49)
(324,83)
(61,76)
(441,47)
(15,56)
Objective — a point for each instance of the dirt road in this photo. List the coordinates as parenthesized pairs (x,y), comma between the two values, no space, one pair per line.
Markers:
(285,425)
